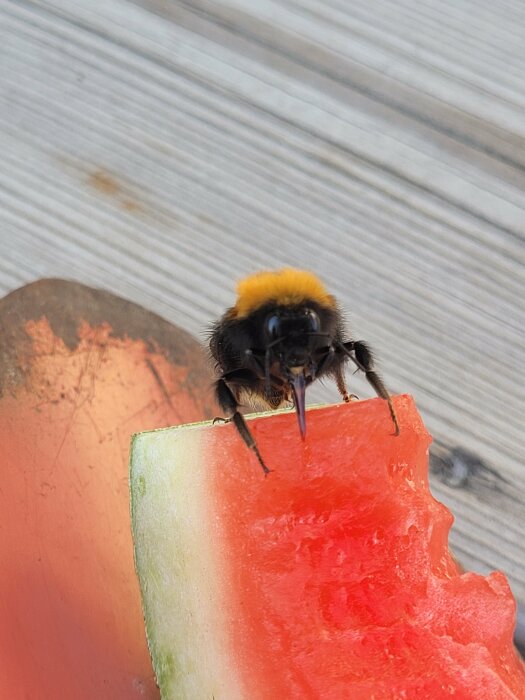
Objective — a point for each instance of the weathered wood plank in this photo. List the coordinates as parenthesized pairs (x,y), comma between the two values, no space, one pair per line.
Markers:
(163,149)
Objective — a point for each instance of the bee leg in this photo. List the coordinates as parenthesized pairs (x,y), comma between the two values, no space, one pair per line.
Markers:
(341,385)
(259,367)
(256,365)
(229,404)
(362,357)
(252,359)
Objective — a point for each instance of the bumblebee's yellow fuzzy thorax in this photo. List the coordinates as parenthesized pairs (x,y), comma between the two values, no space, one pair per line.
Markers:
(284,287)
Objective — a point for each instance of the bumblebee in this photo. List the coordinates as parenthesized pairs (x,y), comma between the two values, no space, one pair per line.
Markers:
(284,332)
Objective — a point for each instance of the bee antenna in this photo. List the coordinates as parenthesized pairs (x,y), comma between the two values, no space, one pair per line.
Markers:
(267,384)
(267,387)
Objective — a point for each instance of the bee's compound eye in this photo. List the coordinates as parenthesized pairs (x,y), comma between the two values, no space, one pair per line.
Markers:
(314,323)
(273,326)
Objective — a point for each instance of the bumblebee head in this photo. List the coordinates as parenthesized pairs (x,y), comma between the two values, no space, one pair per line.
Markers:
(292,321)
(293,342)
(291,333)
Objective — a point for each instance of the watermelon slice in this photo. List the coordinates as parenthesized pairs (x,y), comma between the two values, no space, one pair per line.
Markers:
(330,579)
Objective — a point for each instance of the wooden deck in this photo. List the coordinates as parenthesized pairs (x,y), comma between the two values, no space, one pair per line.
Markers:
(161,149)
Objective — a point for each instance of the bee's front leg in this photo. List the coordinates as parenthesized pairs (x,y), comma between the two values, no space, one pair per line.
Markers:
(229,404)
(361,355)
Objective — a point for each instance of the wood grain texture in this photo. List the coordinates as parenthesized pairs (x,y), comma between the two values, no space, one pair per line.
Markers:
(163,149)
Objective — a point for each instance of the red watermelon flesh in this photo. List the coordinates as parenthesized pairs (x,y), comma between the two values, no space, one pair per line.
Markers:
(331,578)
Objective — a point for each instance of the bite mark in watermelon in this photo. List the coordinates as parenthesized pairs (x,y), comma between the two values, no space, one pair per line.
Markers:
(329,579)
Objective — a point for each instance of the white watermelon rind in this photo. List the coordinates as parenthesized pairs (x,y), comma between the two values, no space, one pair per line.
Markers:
(177,551)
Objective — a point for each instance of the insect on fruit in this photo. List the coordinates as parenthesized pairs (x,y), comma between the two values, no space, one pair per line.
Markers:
(284,332)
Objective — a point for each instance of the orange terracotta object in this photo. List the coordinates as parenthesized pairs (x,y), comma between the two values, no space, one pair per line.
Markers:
(80,371)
